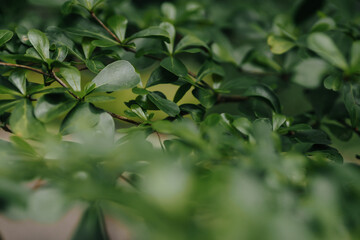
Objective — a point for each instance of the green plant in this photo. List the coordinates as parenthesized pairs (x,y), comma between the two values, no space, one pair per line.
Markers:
(235,162)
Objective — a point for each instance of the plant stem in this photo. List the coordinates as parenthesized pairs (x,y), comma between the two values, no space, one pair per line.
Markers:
(105,27)
(122,118)
(24,67)
(53,75)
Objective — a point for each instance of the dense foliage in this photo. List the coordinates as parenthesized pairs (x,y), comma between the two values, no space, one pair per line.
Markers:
(241,150)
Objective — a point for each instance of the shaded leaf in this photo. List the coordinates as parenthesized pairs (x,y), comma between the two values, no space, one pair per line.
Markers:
(266,93)
(18,78)
(151,32)
(53,105)
(5,36)
(91,226)
(160,76)
(164,105)
(118,24)
(174,66)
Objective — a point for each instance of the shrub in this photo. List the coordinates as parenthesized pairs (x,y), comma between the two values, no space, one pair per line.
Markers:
(236,152)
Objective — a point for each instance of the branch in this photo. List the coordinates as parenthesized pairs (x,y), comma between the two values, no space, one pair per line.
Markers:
(105,27)
(24,67)
(122,118)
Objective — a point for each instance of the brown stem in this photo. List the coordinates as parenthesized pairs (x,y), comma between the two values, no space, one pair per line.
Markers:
(53,75)
(122,118)
(24,67)
(105,27)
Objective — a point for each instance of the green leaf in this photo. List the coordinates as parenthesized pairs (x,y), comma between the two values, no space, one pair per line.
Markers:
(87,47)
(210,67)
(197,112)
(266,93)
(175,66)
(6,105)
(94,65)
(7,88)
(323,25)
(164,105)
(58,37)
(172,32)
(351,93)
(279,45)
(18,78)
(72,76)
(5,36)
(117,75)
(40,42)
(326,48)
(190,41)
(91,226)
(206,97)
(333,82)
(91,34)
(60,53)
(90,4)
(309,72)
(139,112)
(222,53)
(23,122)
(277,121)
(151,32)
(355,57)
(312,136)
(118,24)
(161,76)
(326,152)
(83,117)
(183,89)
(341,132)
(53,105)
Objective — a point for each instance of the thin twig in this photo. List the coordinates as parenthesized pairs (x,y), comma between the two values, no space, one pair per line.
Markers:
(24,67)
(105,27)
(53,75)
(122,118)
